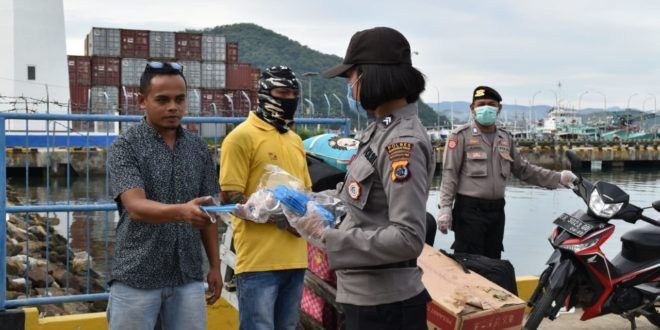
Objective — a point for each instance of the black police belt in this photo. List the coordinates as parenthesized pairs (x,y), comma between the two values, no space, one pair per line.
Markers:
(403,264)
(479,203)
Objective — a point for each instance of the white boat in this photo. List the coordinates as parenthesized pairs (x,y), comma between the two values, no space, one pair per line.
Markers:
(561,119)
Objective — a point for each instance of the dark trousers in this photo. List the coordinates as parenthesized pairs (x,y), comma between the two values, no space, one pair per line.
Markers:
(409,314)
(478,226)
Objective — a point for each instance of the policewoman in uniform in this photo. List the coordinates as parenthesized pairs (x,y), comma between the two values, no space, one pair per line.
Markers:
(374,249)
(478,158)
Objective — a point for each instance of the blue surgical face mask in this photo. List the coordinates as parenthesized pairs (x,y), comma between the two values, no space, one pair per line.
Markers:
(353,104)
(486,115)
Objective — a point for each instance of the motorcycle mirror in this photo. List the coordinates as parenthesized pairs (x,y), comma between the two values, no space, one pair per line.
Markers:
(656,205)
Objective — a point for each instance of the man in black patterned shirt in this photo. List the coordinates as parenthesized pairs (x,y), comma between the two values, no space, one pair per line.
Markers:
(161,174)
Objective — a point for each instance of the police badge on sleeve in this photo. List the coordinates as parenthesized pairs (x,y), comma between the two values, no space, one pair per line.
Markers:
(400,171)
(354,190)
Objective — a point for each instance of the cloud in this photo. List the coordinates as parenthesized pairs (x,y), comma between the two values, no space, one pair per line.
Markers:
(518,46)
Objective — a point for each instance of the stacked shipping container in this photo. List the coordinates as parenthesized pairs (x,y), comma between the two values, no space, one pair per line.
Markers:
(161,45)
(134,43)
(131,71)
(192,70)
(232,53)
(188,46)
(80,79)
(116,59)
(239,76)
(128,101)
(103,42)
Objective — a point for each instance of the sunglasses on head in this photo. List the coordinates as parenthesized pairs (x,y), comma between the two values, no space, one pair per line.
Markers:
(164,65)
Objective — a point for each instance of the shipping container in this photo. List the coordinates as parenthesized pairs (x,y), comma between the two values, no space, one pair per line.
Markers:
(131,71)
(255,73)
(194,102)
(99,105)
(217,97)
(239,76)
(161,45)
(106,71)
(80,70)
(98,100)
(135,43)
(104,42)
(188,46)
(79,96)
(192,70)
(241,104)
(232,52)
(129,101)
(213,75)
(214,47)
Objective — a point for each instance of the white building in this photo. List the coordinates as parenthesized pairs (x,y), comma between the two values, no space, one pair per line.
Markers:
(33,62)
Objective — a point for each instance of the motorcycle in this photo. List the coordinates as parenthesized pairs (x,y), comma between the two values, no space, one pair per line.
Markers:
(580,275)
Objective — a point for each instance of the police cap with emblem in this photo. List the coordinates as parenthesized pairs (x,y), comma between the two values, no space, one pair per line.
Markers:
(380,45)
(485,92)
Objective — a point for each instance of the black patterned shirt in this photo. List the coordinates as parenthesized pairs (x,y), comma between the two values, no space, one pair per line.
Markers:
(150,256)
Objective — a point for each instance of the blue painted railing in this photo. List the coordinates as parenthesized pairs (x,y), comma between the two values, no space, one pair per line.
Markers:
(66,205)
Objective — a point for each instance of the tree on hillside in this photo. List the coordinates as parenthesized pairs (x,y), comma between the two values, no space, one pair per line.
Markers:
(264,48)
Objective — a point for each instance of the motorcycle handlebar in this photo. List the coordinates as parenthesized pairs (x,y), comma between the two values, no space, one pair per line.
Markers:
(649,220)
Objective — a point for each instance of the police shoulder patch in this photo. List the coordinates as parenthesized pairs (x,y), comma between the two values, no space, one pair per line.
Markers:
(452,143)
(399,150)
(400,171)
(354,190)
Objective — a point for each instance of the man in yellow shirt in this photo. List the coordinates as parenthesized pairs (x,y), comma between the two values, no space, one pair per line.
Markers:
(270,262)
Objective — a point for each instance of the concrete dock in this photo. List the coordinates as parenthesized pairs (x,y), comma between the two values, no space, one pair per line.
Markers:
(572,321)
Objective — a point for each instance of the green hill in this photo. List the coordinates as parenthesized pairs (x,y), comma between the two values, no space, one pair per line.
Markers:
(264,48)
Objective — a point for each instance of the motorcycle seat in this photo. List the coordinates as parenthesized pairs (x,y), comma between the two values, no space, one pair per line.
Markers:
(641,244)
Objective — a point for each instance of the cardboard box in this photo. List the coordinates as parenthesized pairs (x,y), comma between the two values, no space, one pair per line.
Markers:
(466,301)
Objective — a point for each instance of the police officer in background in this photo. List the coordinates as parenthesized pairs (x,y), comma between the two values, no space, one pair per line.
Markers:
(478,158)
(375,248)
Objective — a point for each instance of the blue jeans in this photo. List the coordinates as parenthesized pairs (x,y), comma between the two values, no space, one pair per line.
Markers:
(269,300)
(181,307)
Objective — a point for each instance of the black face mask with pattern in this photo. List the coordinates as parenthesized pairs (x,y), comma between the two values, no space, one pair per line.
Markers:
(277,111)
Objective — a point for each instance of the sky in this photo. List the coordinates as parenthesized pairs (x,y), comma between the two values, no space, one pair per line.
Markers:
(578,53)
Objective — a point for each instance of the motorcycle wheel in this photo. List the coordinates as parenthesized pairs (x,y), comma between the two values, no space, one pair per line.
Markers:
(538,312)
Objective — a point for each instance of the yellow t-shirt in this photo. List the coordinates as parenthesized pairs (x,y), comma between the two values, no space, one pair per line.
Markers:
(245,152)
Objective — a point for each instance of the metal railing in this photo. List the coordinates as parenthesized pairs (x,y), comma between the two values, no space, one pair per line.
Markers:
(67,205)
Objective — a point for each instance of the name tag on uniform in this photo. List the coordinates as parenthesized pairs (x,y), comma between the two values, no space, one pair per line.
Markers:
(474,140)
(505,152)
(476,155)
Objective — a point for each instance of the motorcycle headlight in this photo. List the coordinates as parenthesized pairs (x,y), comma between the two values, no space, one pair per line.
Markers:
(602,209)
(580,246)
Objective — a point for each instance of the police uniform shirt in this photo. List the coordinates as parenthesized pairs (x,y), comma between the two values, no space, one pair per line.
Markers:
(386,189)
(474,167)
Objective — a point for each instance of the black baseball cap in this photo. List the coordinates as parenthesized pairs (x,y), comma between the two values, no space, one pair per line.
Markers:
(380,45)
(485,92)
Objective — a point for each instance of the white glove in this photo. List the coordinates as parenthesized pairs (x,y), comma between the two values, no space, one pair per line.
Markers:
(567,178)
(444,222)
(312,226)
